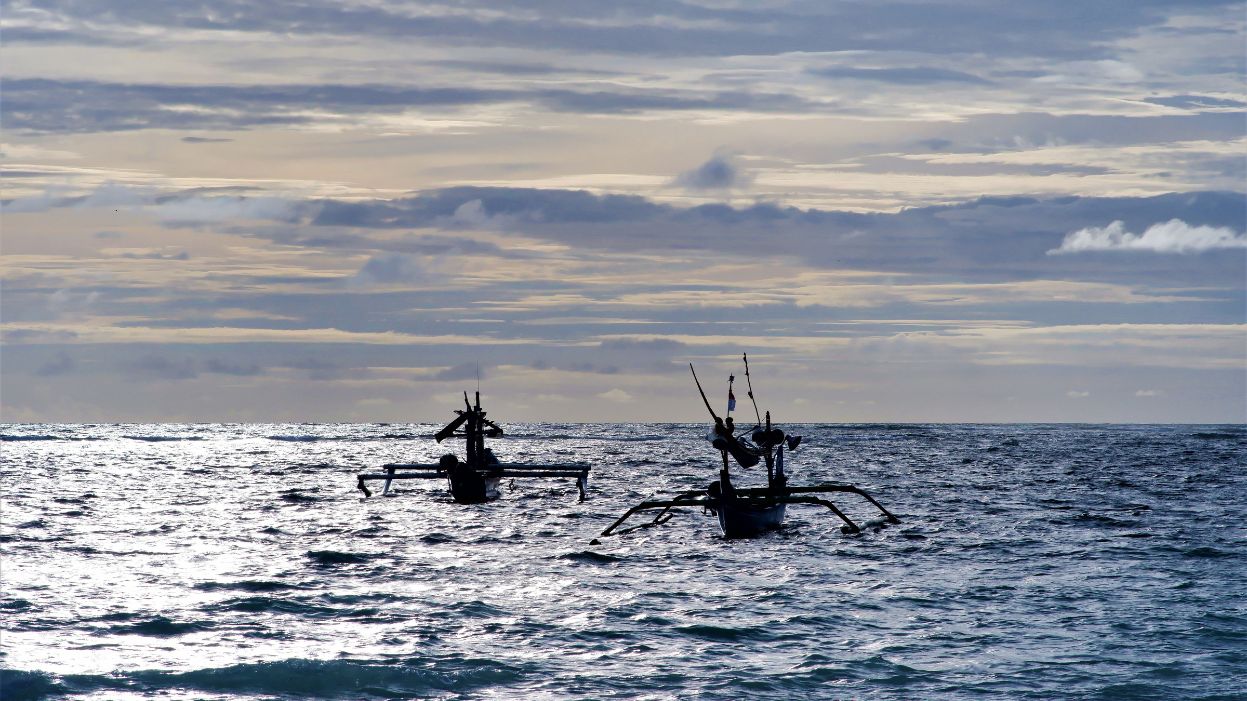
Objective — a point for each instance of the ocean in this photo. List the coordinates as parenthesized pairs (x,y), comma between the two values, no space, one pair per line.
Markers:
(238,561)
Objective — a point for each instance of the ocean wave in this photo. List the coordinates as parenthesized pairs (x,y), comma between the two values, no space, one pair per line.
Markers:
(164,439)
(19,685)
(268,604)
(296,678)
(44,437)
(159,627)
(334,557)
(590,435)
(252,585)
(590,557)
(1219,435)
(713,632)
(332,679)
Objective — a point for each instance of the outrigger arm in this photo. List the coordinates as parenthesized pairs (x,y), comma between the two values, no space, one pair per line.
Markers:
(417,471)
(773,495)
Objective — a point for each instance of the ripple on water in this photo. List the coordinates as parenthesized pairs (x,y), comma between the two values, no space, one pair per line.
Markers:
(160,627)
(334,557)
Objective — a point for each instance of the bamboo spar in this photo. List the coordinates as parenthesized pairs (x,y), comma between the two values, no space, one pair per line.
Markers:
(703,394)
(749,384)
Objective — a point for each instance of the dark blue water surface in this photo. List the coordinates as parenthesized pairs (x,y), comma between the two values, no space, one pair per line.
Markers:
(239,562)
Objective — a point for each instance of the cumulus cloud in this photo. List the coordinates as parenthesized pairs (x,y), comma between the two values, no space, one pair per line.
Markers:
(1173,236)
(616,395)
(721,172)
(69,301)
(389,268)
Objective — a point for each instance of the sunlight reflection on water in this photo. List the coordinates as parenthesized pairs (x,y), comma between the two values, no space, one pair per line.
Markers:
(230,562)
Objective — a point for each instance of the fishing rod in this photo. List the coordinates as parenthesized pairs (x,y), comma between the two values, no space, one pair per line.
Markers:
(749,384)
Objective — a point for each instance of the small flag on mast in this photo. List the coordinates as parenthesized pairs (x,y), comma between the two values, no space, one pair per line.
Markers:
(731,400)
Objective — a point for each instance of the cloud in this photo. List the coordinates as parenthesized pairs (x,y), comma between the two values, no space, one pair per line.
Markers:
(225,367)
(62,364)
(70,301)
(990,238)
(1077,394)
(1173,236)
(663,346)
(616,395)
(194,209)
(391,268)
(13,336)
(325,370)
(1150,393)
(462,371)
(37,105)
(159,367)
(909,75)
(668,30)
(1197,102)
(156,255)
(721,172)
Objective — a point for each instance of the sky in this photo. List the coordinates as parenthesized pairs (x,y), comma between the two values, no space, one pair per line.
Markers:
(341,211)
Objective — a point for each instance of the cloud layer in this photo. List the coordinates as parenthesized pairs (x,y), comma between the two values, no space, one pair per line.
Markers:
(350,210)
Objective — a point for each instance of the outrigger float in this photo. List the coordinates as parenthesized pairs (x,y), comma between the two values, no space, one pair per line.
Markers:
(477,478)
(747,512)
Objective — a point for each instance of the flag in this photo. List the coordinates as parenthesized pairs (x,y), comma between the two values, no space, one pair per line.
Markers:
(731,400)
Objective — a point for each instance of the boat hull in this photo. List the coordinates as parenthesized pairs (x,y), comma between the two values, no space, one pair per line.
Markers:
(467,486)
(746,518)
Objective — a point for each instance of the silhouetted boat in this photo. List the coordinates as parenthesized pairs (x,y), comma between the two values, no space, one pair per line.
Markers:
(744,513)
(477,478)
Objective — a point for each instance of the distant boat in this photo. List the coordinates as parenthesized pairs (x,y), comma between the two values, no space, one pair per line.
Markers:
(477,478)
(748,512)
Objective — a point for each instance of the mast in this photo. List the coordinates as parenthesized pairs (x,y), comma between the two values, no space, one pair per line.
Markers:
(480,430)
(472,429)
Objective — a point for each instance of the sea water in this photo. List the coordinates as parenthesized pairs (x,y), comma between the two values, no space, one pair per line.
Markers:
(209,561)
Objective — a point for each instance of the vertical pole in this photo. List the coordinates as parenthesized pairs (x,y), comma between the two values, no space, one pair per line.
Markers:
(770,455)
